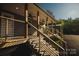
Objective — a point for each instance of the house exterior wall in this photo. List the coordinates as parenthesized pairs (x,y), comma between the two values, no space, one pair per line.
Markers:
(18,27)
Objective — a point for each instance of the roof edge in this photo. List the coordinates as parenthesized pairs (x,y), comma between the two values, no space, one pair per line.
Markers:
(44,11)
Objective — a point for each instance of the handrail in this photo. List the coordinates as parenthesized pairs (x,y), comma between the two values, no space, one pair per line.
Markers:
(46,36)
(12,19)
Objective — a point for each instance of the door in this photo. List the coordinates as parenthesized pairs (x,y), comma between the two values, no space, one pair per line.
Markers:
(7,25)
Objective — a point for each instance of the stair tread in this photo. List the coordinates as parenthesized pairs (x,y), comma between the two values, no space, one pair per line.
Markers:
(44,46)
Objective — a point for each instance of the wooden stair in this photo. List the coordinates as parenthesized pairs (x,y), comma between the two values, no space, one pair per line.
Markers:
(45,48)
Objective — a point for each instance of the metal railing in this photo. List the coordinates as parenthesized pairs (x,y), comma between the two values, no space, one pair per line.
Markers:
(35,29)
(5,37)
(12,19)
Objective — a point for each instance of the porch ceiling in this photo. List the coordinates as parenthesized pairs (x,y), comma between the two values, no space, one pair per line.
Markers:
(17,8)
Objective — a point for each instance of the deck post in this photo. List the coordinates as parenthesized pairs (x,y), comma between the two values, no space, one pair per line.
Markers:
(37,22)
(38,18)
(46,21)
(7,27)
(26,20)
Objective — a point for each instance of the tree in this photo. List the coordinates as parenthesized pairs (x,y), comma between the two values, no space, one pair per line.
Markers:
(71,26)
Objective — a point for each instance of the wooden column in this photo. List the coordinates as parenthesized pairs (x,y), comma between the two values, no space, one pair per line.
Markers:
(38,18)
(55,27)
(46,21)
(7,27)
(26,20)
(38,22)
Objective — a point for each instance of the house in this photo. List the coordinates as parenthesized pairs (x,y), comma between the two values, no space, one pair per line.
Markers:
(28,20)
(16,11)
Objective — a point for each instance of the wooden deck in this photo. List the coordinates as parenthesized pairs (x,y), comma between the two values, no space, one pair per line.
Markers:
(13,41)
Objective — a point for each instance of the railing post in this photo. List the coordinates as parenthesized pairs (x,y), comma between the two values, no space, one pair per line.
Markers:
(38,18)
(37,22)
(39,42)
(26,20)
(55,28)
(46,24)
(46,21)
(5,30)
(7,27)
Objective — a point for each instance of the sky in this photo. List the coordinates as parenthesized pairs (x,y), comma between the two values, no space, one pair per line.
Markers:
(62,10)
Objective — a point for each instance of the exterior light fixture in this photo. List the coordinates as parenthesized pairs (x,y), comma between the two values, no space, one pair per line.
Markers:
(17,8)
